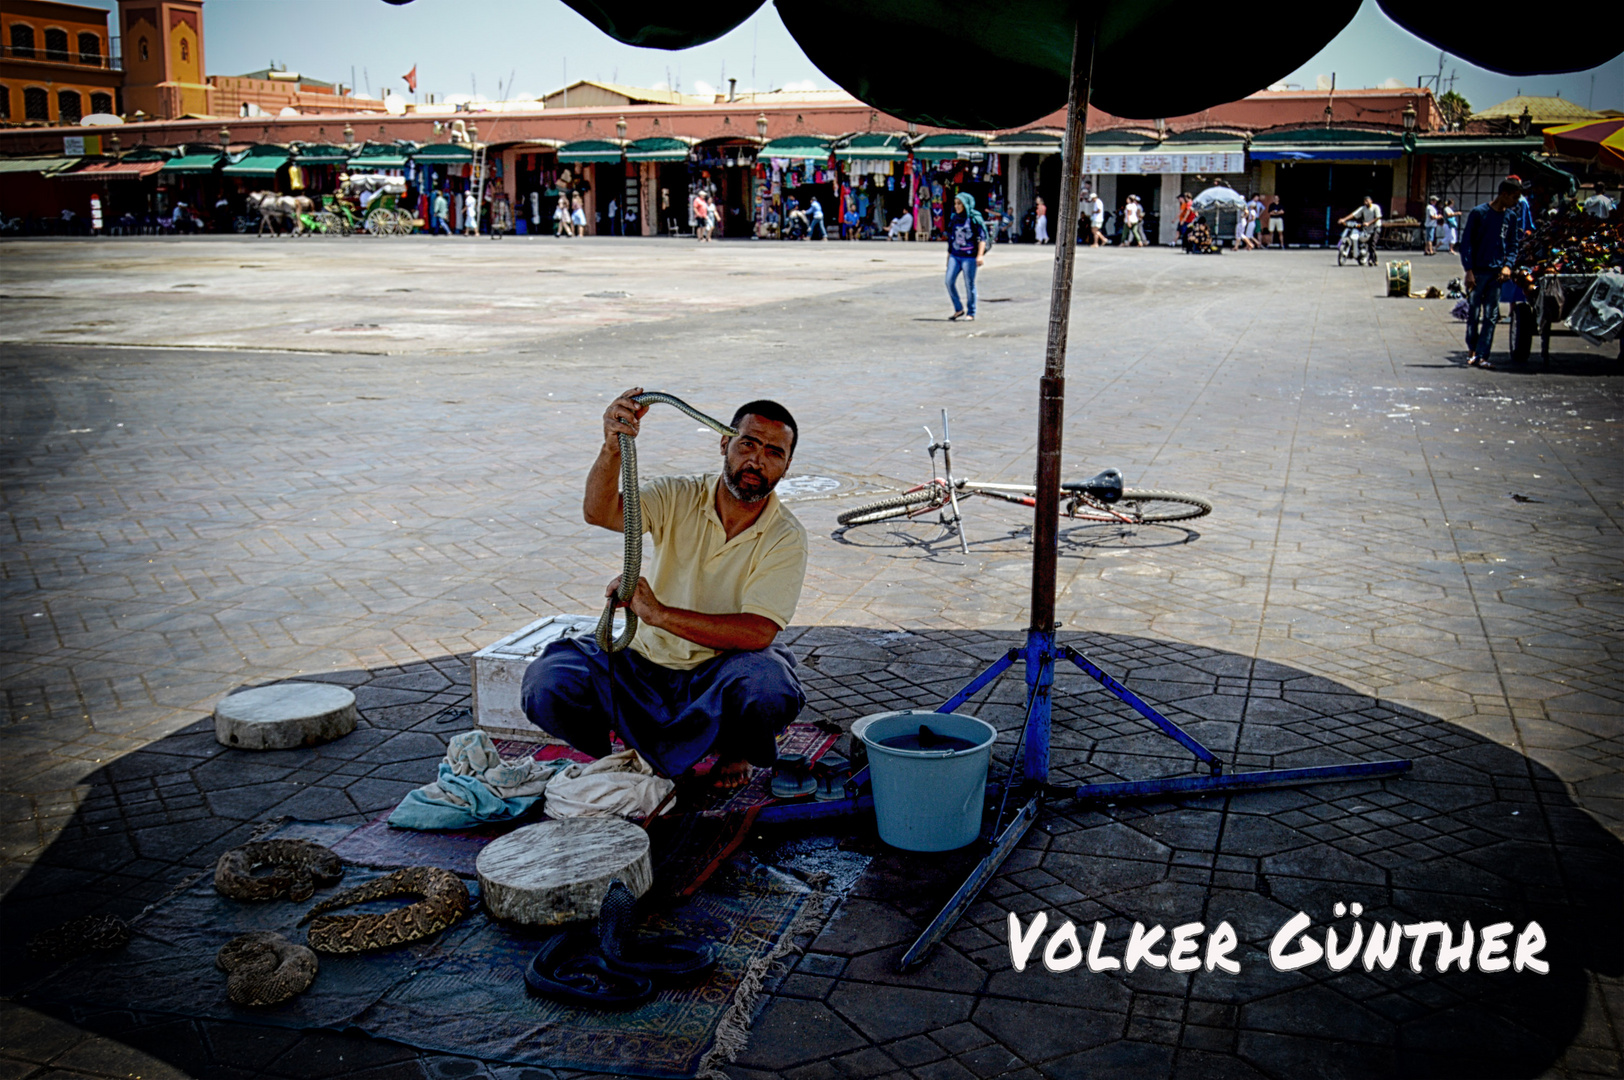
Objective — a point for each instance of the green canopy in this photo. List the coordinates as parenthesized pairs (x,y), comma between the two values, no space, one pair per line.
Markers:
(950,147)
(1025,142)
(658,149)
(320,154)
(872,146)
(194,163)
(1477,144)
(258,161)
(797,147)
(589,151)
(45,166)
(1325,144)
(444,154)
(382,156)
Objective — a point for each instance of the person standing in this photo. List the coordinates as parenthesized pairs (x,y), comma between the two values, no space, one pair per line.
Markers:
(614,218)
(1133,220)
(1488,250)
(1040,223)
(1450,225)
(1276,225)
(966,248)
(578,214)
(470,210)
(1095,207)
(1429,227)
(1599,205)
(701,213)
(438,208)
(1186,216)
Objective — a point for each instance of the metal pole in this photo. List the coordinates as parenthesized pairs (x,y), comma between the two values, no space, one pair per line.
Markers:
(1052,388)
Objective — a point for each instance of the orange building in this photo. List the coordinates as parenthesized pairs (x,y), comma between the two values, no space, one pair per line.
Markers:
(270,91)
(163,58)
(56,64)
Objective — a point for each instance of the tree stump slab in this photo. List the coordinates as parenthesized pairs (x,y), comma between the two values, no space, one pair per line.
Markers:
(558,871)
(285,716)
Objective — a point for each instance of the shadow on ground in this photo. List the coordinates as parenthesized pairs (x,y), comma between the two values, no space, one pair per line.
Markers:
(1474,833)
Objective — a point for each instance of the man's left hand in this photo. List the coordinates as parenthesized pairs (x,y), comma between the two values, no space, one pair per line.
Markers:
(644,604)
(1505,273)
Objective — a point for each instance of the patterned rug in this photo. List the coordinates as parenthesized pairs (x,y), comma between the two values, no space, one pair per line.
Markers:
(462,991)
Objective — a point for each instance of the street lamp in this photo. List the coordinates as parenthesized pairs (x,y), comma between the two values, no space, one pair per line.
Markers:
(761,125)
(1409,117)
(1524,121)
(620,128)
(349,135)
(225,136)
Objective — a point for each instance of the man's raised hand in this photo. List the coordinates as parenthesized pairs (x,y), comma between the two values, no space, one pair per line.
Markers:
(622,417)
(644,604)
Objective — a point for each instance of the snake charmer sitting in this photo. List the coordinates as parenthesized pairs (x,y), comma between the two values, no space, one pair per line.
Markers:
(703,673)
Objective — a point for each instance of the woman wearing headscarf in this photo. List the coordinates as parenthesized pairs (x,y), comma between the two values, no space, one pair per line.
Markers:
(966,247)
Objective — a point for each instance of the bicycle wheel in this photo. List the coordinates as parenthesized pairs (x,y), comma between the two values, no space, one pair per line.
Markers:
(1145,508)
(928,497)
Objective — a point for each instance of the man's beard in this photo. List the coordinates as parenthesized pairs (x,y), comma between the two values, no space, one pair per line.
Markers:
(747,496)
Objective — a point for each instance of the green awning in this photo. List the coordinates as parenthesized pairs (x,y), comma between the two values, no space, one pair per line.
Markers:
(320,154)
(1548,172)
(444,154)
(589,151)
(382,156)
(193,164)
(659,149)
(45,166)
(1025,142)
(872,147)
(797,148)
(258,161)
(951,147)
(1325,144)
(1478,144)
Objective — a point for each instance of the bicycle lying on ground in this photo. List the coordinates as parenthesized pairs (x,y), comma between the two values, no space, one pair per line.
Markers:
(1099,498)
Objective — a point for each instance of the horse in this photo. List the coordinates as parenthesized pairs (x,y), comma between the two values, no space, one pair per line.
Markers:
(272,207)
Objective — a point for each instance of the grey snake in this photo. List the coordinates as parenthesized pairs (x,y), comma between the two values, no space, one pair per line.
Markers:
(632,566)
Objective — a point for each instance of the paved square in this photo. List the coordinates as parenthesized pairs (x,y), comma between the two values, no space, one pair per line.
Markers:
(230,462)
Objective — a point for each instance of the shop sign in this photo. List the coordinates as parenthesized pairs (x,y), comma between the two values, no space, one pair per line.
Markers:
(80,145)
(1113,164)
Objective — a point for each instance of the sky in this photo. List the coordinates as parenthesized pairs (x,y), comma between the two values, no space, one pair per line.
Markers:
(531,47)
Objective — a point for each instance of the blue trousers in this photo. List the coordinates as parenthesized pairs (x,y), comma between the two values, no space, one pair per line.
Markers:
(734,704)
(1483,313)
(966,265)
(437,225)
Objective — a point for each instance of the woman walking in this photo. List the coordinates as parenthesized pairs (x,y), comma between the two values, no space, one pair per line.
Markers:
(578,215)
(966,247)
(1041,222)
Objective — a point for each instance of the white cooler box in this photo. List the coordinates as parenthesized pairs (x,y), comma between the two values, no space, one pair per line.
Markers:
(498,673)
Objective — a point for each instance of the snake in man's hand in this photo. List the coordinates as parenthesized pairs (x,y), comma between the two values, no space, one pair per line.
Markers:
(632,566)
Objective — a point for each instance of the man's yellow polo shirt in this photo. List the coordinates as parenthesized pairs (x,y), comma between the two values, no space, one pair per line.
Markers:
(759,571)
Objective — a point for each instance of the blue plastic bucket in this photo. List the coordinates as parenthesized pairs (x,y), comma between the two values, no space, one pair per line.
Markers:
(927,800)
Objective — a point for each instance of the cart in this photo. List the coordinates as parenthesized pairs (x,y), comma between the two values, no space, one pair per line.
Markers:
(1555,296)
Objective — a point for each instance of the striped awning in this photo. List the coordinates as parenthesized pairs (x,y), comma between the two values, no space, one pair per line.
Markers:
(114,170)
(589,151)
(658,149)
(796,148)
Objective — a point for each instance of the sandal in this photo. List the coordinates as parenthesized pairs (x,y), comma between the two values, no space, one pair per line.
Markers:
(956,316)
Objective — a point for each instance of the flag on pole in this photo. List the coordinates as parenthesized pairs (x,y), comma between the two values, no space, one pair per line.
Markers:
(411,79)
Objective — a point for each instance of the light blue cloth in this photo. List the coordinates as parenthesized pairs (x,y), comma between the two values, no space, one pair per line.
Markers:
(476,786)
(418,811)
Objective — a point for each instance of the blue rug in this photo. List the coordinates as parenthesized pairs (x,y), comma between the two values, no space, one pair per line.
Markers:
(462,991)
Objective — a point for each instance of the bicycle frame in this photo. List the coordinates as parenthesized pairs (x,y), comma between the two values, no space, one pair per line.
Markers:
(946,447)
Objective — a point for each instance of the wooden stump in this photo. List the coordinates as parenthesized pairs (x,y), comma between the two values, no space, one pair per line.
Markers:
(285,716)
(558,871)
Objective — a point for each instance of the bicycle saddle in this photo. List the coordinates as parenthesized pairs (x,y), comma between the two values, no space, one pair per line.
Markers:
(1106,486)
